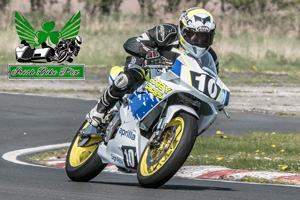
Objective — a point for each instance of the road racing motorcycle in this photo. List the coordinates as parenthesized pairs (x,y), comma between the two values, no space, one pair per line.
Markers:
(152,131)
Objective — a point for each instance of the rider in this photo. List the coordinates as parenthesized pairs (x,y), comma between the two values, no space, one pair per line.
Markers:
(66,49)
(195,34)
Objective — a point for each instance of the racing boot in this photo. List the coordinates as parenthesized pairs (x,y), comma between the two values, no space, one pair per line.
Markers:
(97,115)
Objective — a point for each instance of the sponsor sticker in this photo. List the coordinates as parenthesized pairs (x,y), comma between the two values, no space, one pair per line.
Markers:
(157,88)
(116,159)
(127,133)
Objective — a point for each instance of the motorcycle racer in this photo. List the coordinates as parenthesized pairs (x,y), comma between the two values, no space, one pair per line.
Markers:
(66,49)
(194,34)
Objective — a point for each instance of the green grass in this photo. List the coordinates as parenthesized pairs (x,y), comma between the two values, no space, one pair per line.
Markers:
(259,79)
(258,53)
(290,114)
(256,151)
(38,158)
(262,180)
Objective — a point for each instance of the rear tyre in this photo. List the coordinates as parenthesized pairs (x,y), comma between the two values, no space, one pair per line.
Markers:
(83,163)
(158,165)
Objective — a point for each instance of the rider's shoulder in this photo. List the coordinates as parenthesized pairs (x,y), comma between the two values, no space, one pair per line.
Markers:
(163,33)
(213,53)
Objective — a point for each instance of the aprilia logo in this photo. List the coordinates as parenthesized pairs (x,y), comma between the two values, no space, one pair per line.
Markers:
(127,133)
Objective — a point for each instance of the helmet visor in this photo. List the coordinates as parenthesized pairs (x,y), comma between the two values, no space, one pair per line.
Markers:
(200,39)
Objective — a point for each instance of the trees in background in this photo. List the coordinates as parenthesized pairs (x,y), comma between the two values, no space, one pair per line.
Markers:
(39,5)
(232,6)
(101,6)
(3,4)
(149,7)
(258,6)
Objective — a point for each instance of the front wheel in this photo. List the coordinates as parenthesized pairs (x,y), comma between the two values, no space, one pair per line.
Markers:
(83,163)
(158,164)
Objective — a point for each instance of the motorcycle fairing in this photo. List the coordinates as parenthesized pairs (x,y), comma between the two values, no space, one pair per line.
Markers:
(189,68)
(125,148)
(141,103)
(148,96)
(226,98)
(114,72)
(176,69)
(200,80)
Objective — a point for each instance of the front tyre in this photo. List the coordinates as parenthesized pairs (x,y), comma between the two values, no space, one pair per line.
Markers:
(83,163)
(158,164)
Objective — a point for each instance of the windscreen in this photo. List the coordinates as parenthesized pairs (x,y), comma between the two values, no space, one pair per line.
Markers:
(207,62)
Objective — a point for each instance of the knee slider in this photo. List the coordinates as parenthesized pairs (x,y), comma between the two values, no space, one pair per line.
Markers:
(122,81)
(126,82)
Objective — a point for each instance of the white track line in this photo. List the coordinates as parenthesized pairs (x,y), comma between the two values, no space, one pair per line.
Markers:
(13,155)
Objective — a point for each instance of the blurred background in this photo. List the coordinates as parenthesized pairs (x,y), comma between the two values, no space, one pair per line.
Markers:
(257,37)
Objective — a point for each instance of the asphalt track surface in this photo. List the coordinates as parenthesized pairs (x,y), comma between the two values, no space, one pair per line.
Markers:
(32,121)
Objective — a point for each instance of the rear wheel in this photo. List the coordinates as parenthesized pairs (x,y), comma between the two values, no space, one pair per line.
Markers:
(83,163)
(158,164)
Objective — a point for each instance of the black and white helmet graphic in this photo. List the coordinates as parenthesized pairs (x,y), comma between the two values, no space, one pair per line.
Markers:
(78,40)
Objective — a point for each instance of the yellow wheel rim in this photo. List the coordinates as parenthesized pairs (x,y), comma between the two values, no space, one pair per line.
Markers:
(153,159)
(78,155)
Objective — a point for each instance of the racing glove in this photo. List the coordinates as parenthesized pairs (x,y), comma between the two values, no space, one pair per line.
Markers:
(159,61)
(152,56)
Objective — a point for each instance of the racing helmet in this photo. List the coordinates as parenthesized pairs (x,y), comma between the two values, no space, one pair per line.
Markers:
(196,30)
(78,40)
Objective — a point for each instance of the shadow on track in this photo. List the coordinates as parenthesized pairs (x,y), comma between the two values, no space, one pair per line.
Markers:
(167,186)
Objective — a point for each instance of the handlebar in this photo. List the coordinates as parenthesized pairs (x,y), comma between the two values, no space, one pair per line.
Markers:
(166,64)
(157,67)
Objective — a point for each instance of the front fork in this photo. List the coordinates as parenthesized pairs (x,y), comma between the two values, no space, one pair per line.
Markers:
(171,111)
(155,139)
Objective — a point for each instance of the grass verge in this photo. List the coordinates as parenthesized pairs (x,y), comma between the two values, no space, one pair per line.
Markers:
(256,151)
(38,158)
(262,180)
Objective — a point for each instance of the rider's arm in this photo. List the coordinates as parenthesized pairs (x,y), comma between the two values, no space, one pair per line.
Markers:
(134,46)
(163,35)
